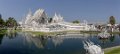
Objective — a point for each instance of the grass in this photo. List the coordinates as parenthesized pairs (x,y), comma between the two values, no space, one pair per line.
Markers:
(18,30)
(51,33)
(114,32)
(90,32)
(3,31)
(39,33)
(113,50)
(63,32)
(73,31)
(96,32)
(45,33)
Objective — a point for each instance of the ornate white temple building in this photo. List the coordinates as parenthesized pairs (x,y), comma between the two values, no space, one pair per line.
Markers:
(39,21)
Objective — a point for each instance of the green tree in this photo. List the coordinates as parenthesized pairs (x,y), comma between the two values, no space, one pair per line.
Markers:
(112,20)
(2,23)
(11,22)
(0,16)
(119,27)
(76,21)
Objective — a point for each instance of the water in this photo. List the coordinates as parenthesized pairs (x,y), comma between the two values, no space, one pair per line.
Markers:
(23,43)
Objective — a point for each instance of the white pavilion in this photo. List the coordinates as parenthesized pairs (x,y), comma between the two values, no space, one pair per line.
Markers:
(40,22)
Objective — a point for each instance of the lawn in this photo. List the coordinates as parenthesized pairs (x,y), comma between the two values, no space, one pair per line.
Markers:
(45,33)
(113,50)
(3,31)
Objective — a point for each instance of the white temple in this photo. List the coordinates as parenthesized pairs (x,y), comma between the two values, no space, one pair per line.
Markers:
(57,18)
(40,22)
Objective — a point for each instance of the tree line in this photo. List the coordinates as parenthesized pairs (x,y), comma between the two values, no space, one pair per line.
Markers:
(9,23)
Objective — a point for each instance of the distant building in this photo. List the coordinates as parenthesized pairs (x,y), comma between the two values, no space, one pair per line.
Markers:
(112,28)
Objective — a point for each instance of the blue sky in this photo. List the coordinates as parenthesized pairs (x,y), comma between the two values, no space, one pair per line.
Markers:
(90,10)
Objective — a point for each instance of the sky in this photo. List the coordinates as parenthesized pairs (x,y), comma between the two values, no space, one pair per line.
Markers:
(90,10)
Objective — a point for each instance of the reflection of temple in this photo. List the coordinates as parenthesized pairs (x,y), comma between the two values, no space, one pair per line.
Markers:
(57,40)
(39,42)
(112,38)
(40,22)
(105,40)
(11,34)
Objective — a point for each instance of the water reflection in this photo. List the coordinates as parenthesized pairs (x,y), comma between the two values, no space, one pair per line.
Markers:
(112,38)
(41,41)
(38,41)
(59,44)
(57,40)
(1,37)
(105,40)
(11,34)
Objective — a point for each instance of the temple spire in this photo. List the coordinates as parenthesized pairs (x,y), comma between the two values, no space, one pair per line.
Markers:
(30,12)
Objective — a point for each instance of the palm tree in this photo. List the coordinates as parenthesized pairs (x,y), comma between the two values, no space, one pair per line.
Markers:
(11,22)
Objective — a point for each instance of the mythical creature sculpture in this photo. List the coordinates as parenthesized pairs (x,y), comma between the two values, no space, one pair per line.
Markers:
(91,48)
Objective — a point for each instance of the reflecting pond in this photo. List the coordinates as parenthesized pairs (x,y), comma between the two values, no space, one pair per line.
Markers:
(24,43)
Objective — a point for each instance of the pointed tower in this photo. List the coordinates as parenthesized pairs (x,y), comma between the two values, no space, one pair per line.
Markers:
(60,18)
(55,18)
(40,16)
(28,17)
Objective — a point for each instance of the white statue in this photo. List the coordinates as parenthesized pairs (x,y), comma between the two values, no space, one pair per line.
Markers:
(91,48)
